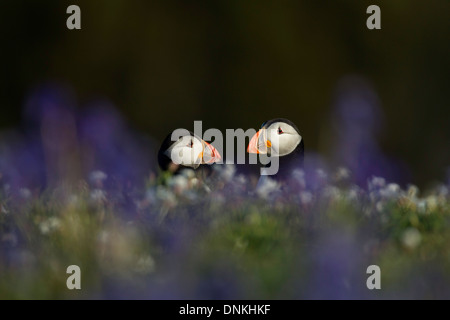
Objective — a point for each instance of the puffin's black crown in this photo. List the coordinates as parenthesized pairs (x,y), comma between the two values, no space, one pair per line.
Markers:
(289,122)
(164,160)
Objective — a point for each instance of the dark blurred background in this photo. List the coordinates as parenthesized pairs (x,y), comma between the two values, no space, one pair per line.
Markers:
(235,64)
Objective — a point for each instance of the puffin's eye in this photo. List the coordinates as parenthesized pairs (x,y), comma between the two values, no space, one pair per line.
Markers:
(191,144)
(280,131)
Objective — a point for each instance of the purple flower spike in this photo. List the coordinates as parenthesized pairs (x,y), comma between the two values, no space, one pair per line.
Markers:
(356,121)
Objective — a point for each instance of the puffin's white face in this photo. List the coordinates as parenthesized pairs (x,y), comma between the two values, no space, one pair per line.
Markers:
(191,151)
(279,139)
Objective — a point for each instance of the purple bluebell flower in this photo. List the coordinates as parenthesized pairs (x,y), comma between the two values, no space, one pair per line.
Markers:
(356,123)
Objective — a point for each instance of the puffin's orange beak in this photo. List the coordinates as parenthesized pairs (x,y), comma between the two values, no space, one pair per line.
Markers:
(215,155)
(258,144)
(253,145)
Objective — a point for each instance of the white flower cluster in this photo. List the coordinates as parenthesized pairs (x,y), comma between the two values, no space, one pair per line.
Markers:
(224,185)
(49,225)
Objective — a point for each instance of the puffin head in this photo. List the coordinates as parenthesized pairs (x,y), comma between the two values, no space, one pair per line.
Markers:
(187,151)
(278,137)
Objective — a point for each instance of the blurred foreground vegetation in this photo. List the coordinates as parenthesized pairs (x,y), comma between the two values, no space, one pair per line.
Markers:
(182,239)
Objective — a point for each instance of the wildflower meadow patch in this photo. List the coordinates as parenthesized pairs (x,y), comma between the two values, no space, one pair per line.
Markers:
(221,237)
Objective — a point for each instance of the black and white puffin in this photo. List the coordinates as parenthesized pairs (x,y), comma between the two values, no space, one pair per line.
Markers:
(188,151)
(280,138)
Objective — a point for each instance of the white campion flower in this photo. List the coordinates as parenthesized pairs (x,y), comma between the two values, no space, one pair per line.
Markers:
(432,202)
(332,193)
(342,174)
(412,192)
(391,191)
(103,237)
(441,192)
(226,171)
(393,188)
(178,183)
(379,206)
(241,179)
(306,197)
(25,193)
(321,174)
(145,265)
(266,186)
(421,206)
(299,176)
(98,195)
(194,182)
(97,176)
(49,225)
(411,238)
(187,173)
(353,193)
(376,183)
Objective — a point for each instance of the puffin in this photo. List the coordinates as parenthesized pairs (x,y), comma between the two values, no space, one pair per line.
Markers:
(188,152)
(280,138)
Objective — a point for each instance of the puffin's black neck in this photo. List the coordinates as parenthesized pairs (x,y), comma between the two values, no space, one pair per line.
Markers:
(290,162)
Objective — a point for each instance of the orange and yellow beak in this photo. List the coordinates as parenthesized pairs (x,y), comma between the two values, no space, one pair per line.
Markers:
(259,144)
(210,154)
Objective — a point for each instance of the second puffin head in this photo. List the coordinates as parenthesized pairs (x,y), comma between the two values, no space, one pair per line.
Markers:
(277,137)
